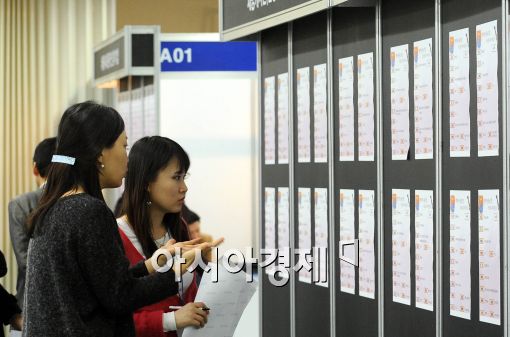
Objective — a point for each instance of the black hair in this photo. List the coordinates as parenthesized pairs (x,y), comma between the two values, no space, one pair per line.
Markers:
(42,155)
(189,216)
(147,158)
(85,129)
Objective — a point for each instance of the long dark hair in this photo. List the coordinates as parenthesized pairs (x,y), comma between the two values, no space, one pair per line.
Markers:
(147,158)
(84,131)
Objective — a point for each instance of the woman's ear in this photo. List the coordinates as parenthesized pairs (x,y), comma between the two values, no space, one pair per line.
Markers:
(100,159)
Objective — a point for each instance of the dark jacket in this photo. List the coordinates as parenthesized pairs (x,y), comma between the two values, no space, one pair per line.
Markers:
(78,279)
(8,305)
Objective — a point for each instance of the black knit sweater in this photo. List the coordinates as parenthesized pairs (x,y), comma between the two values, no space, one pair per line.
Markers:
(78,278)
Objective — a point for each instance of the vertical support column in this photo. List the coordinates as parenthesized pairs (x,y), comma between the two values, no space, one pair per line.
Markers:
(292,202)
(438,159)
(506,174)
(379,197)
(331,173)
(261,162)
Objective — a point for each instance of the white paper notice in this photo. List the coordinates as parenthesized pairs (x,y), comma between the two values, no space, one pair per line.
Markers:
(269,222)
(424,248)
(347,232)
(269,121)
(137,127)
(399,102)
(283,118)
(401,242)
(423,100)
(459,93)
(320,114)
(283,218)
(460,254)
(346,108)
(124,108)
(366,144)
(150,122)
(303,112)
(305,228)
(227,299)
(321,234)
(366,208)
(489,256)
(487,88)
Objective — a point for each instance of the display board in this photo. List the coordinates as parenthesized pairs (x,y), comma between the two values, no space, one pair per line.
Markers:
(428,76)
(472,168)
(409,167)
(355,163)
(311,171)
(275,232)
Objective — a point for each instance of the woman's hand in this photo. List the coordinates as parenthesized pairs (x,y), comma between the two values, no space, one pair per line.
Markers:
(191,315)
(171,245)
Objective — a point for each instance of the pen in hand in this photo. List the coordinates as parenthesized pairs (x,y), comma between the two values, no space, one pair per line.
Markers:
(177,307)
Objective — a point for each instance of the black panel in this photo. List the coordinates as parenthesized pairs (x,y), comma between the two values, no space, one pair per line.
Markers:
(275,300)
(353,34)
(309,49)
(142,50)
(473,173)
(236,13)
(404,23)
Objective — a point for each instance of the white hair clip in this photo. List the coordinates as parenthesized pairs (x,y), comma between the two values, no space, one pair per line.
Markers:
(63,159)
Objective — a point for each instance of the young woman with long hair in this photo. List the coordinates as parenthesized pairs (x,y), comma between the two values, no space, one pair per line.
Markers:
(78,279)
(152,202)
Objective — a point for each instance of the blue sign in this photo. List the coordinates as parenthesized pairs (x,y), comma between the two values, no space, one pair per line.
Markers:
(208,56)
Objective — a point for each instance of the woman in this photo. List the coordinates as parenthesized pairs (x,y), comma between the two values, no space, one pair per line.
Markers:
(78,279)
(155,180)
(10,312)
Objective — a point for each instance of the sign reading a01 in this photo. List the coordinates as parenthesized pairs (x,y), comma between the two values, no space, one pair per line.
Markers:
(177,55)
(208,56)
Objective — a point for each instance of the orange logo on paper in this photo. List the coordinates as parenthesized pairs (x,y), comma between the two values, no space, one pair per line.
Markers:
(452,41)
(415,51)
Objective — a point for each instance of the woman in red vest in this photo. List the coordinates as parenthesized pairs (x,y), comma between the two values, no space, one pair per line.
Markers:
(153,198)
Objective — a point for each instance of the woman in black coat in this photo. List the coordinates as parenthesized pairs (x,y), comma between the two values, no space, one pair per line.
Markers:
(10,313)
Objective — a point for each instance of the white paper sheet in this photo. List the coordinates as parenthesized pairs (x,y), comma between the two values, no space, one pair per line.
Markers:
(320,113)
(303,114)
(423,100)
(321,234)
(227,300)
(489,256)
(366,212)
(150,122)
(487,88)
(124,109)
(424,248)
(366,143)
(401,245)
(399,57)
(460,254)
(283,218)
(269,121)
(283,118)
(305,228)
(346,108)
(269,222)
(137,127)
(347,232)
(459,93)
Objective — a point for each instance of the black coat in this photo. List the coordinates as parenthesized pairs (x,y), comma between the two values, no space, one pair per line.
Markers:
(8,306)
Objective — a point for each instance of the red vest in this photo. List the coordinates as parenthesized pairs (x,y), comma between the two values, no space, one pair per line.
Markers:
(149,319)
